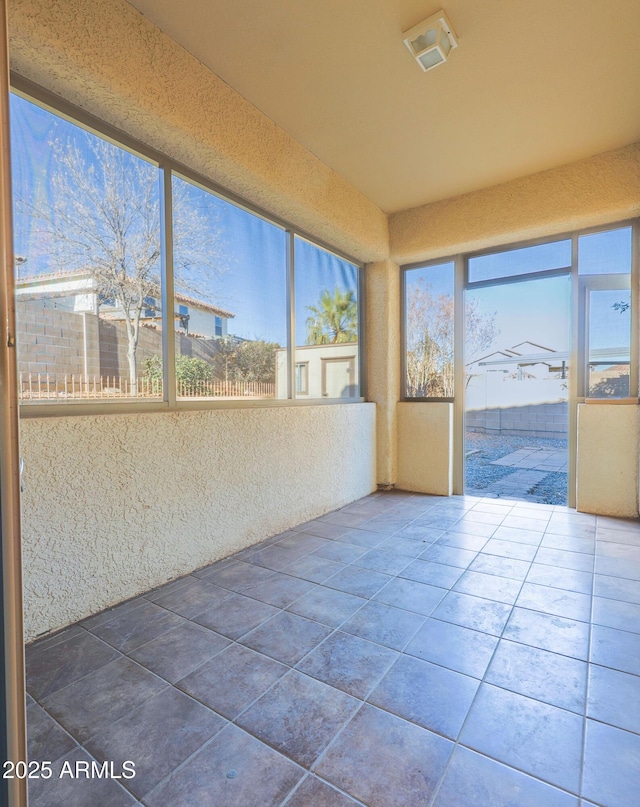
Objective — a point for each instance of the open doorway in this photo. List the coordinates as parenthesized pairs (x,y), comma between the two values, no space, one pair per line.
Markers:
(516,374)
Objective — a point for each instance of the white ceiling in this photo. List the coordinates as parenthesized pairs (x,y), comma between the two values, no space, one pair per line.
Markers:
(533,84)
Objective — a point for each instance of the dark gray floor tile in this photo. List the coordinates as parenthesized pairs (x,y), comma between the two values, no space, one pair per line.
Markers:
(280,590)
(61,790)
(569,543)
(411,596)
(134,628)
(618,567)
(385,761)
(364,538)
(177,652)
(611,764)
(172,585)
(548,632)
(549,600)
(341,552)
(88,705)
(314,568)
(568,579)
(489,586)
(549,677)
(348,663)
(237,576)
(383,624)
(453,646)
(472,612)
(498,722)
(344,519)
(435,574)
(286,637)
(323,529)
(53,638)
(51,667)
(158,736)
(502,567)
(116,610)
(523,536)
(302,540)
(618,649)
(473,780)
(232,680)
(403,546)
(617,588)
(313,792)
(358,581)
(276,557)
(509,549)
(192,597)
(614,697)
(449,555)
(418,531)
(236,616)
(384,562)
(568,560)
(327,605)
(473,543)
(427,694)
(46,739)
(299,716)
(233,769)
(469,526)
(616,614)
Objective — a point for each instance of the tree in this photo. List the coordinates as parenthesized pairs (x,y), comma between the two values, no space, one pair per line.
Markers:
(430,340)
(103,217)
(252,361)
(334,319)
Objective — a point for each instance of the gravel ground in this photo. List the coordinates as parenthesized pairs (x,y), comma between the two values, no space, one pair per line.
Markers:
(482,449)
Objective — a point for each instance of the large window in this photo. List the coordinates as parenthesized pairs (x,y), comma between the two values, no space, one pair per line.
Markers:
(106,314)
(326,293)
(87,244)
(604,270)
(230,274)
(429,331)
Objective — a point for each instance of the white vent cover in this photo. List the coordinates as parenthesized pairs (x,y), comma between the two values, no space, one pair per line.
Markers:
(431,41)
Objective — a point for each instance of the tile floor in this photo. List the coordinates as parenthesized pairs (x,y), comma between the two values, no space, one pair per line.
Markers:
(405,650)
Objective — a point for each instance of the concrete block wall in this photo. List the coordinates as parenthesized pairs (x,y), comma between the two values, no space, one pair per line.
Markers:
(539,420)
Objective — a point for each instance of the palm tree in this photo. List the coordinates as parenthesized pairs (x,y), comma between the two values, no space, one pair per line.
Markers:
(334,319)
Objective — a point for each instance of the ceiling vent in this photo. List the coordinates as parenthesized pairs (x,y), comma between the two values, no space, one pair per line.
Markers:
(431,41)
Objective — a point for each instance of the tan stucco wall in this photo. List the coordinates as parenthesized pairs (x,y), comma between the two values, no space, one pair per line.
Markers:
(110,60)
(383,360)
(114,505)
(601,189)
(425,447)
(607,474)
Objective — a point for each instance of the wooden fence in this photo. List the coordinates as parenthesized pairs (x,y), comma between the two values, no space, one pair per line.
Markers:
(57,387)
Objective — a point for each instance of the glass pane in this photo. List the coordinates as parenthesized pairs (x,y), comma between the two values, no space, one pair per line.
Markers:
(87,241)
(523,261)
(326,310)
(609,343)
(429,331)
(230,298)
(605,253)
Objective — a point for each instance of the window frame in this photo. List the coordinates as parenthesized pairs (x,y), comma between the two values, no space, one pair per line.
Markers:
(167,169)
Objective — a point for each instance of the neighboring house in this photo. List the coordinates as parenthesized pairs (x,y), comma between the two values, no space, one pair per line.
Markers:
(76,291)
(526,360)
(322,371)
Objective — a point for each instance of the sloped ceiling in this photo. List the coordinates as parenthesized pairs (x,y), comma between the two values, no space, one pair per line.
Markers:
(531,86)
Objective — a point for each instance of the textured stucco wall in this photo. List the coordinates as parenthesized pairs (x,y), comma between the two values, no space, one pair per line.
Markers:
(607,472)
(114,505)
(383,361)
(587,193)
(105,57)
(425,447)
